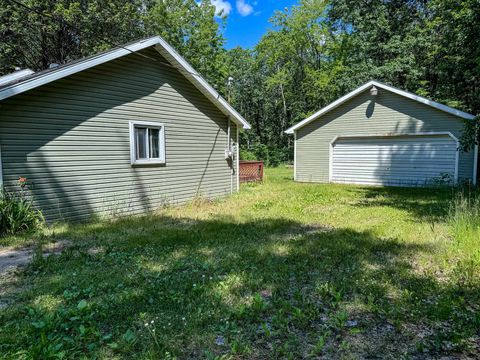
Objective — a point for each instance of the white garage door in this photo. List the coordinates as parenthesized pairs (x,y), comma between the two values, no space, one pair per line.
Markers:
(395,160)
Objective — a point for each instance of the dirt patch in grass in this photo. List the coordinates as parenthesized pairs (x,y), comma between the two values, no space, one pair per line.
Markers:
(11,258)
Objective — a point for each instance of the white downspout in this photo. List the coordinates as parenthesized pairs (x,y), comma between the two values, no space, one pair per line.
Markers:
(1,172)
(229,147)
(294,156)
(475,164)
(238,159)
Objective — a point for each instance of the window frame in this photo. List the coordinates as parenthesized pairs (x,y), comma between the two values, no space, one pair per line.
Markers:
(161,146)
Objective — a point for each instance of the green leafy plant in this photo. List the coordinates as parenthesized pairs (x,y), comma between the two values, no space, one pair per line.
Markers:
(470,135)
(319,346)
(17,212)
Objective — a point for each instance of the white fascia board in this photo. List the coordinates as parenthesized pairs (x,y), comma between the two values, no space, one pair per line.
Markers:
(162,46)
(391,135)
(327,108)
(189,72)
(29,84)
(425,101)
(17,75)
(368,85)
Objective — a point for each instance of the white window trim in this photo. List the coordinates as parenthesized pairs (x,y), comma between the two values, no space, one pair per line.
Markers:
(148,124)
(419,134)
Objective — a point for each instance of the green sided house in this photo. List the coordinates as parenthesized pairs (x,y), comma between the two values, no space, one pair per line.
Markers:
(125,131)
(380,135)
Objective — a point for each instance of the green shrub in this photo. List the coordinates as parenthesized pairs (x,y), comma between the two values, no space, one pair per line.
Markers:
(272,156)
(17,213)
(247,155)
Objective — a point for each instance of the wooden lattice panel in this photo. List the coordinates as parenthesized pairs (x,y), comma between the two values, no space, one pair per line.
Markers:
(251,171)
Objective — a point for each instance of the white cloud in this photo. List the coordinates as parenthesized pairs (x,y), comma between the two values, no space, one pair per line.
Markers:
(222,7)
(243,8)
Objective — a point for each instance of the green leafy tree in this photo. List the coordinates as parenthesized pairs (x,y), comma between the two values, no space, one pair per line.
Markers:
(290,73)
(190,27)
(319,50)
(43,32)
(455,52)
(387,41)
(471,134)
(37,33)
(315,52)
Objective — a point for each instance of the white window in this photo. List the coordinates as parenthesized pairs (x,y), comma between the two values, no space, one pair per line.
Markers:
(147,143)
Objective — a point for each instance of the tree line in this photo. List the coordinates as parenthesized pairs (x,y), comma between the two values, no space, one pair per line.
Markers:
(313,53)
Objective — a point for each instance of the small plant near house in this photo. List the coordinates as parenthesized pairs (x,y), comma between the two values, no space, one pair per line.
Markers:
(444,179)
(17,212)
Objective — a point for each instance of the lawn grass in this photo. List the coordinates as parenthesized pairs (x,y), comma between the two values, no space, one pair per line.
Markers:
(280,270)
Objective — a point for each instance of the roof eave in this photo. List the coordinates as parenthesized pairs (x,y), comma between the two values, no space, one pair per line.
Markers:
(29,84)
(200,83)
(369,84)
(162,46)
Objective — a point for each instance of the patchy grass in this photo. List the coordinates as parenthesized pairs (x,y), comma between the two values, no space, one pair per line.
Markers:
(281,270)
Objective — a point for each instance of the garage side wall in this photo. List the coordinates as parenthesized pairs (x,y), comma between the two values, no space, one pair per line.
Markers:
(71,139)
(387,113)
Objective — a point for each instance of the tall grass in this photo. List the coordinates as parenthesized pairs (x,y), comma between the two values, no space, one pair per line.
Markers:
(465,227)
(465,216)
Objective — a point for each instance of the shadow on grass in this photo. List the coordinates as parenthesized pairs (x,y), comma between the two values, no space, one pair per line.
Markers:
(430,204)
(267,289)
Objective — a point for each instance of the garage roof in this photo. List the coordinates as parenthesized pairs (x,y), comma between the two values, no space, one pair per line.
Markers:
(377,84)
(31,81)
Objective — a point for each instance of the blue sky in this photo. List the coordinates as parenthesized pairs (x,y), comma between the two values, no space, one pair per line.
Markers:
(247,20)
